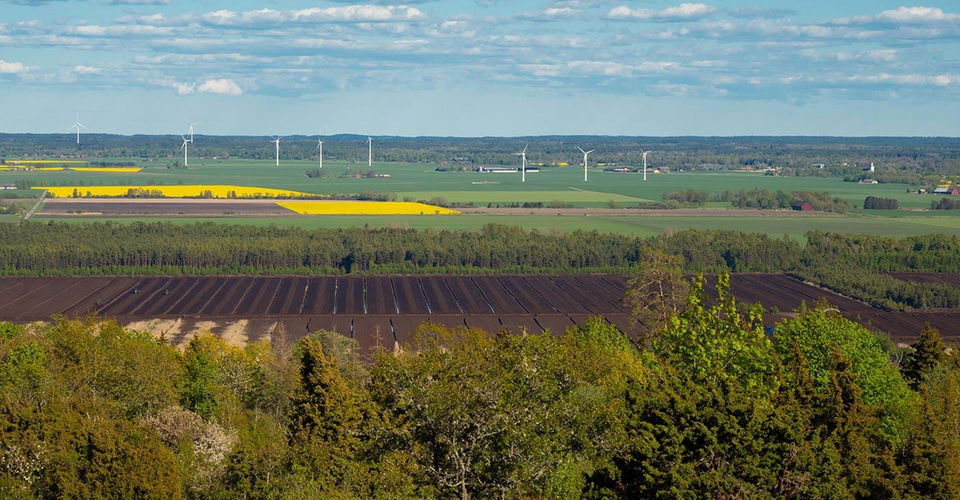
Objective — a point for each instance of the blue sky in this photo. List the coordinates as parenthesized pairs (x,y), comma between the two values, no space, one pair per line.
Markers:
(482,67)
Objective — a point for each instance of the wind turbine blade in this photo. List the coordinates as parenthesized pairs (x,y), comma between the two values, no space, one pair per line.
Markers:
(82,125)
(592,150)
(525,148)
(581,150)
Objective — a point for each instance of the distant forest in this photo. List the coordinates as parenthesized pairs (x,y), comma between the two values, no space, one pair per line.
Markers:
(855,265)
(840,155)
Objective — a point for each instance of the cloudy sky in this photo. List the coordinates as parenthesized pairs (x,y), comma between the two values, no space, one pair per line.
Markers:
(482,67)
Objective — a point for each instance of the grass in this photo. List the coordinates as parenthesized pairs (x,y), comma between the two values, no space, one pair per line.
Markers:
(643,225)
(420,181)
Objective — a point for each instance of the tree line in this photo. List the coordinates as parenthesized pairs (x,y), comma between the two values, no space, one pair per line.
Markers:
(850,264)
(707,405)
(909,156)
(878,203)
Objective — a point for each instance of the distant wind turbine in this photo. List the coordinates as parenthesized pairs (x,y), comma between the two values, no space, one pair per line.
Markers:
(523,163)
(276,141)
(78,126)
(369,151)
(191,130)
(645,153)
(585,153)
(320,149)
(184,147)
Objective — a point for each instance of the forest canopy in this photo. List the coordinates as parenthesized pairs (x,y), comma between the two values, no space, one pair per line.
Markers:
(712,406)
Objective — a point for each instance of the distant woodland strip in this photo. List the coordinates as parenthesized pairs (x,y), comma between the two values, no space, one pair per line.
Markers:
(849,264)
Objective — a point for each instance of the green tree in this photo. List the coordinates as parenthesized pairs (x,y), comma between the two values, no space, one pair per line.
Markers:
(706,341)
(817,331)
(326,419)
(928,352)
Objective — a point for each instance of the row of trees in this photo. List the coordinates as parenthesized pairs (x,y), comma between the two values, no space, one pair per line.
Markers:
(937,156)
(945,204)
(850,264)
(708,405)
(877,203)
(766,199)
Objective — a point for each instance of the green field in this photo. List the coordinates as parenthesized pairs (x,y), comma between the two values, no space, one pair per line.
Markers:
(643,225)
(422,182)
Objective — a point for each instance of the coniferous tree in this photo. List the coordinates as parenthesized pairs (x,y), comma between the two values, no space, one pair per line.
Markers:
(928,352)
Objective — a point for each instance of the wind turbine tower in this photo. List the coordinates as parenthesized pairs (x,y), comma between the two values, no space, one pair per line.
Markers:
(320,149)
(184,147)
(645,153)
(276,141)
(523,163)
(78,126)
(369,151)
(585,154)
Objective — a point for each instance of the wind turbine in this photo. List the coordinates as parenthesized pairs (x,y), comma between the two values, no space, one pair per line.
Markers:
(369,151)
(191,130)
(184,147)
(645,153)
(276,141)
(320,148)
(585,153)
(523,163)
(78,126)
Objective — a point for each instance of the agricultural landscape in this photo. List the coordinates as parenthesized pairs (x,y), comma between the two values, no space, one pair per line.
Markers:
(564,249)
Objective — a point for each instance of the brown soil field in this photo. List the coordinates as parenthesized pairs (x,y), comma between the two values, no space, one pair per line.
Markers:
(385,311)
(70,207)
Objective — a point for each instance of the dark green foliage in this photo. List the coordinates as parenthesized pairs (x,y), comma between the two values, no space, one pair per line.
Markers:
(945,204)
(877,203)
(66,249)
(766,199)
(690,196)
(928,353)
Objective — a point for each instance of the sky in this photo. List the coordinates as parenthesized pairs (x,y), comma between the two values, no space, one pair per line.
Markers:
(482,67)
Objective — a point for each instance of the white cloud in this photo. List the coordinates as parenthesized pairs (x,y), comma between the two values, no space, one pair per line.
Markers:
(109,31)
(348,13)
(682,12)
(904,15)
(907,79)
(12,68)
(183,88)
(597,68)
(86,70)
(549,14)
(223,86)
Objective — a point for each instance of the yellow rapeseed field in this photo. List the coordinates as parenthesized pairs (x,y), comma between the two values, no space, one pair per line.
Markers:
(37,162)
(105,169)
(192,191)
(339,207)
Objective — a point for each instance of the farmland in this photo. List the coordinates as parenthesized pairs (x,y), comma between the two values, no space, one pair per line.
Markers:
(383,310)
(559,186)
(422,181)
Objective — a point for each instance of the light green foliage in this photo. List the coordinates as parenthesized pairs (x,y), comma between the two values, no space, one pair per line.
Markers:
(817,331)
(514,415)
(707,341)
(715,409)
